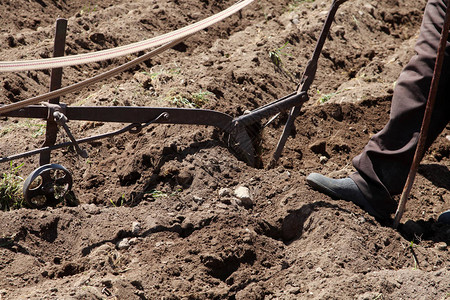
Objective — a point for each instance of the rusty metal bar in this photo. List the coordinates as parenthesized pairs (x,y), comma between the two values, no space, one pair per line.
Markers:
(51,130)
(135,127)
(306,81)
(272,109)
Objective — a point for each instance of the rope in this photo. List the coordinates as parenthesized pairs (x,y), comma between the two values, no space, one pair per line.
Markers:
(89,81)
(58,62)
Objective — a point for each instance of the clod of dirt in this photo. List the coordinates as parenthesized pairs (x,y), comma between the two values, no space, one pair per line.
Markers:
(225,263)
(143,80)
(412,229)
(98,38)
(292,226)
(319,147)
(184,178)
(335,111)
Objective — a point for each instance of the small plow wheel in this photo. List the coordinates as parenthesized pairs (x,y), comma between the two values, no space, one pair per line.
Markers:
(47,185)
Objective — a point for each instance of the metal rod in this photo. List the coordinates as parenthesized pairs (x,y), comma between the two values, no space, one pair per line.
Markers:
(271,109)
(51,129)
(306,81)
(426,120)
(132,128)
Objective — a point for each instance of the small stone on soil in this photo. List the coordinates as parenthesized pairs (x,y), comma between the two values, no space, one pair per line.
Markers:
(123,244)
(243,194)
(197,199)
(442,246)
(136,228)
(323,160)
(133,241)
(224,192)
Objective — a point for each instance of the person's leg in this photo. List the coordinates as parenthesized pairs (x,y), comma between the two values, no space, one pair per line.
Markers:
(383,166)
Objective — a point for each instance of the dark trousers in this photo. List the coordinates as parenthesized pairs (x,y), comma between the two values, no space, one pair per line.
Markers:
(383,166)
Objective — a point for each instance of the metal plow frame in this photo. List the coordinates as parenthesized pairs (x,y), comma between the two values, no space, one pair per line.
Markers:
(57,114)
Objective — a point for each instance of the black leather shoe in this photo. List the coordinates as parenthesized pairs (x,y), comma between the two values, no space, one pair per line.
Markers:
(345,189)
(445,217)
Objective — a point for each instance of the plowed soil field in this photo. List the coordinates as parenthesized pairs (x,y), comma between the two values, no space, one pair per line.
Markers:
(156,215)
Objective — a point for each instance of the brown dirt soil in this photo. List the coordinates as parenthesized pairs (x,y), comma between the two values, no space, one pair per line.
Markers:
(194,239)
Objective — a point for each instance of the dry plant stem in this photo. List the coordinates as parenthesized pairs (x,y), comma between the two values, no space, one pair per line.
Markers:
(416,261)
(426,121)
(78,86)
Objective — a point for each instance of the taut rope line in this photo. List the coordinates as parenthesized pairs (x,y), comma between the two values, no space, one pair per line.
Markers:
(170,42)
(78,86)
(58,62)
